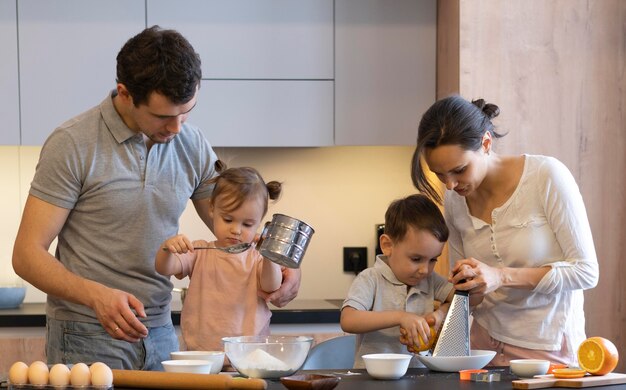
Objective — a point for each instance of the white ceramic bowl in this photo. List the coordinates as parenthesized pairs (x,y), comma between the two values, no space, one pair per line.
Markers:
(215,357)
(386,365)
(193,366)
(477,359)
(527,368)
(268,357)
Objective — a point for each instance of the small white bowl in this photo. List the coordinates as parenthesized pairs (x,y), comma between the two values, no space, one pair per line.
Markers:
(215,357)
(528,368)
(192,366)
(386,365)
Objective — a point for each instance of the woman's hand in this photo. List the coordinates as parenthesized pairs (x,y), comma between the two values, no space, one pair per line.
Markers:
(476,277)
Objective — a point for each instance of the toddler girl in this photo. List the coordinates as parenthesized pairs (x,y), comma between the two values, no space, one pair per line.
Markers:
(222,297)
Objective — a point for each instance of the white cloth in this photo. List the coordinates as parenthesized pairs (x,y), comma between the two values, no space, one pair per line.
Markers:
(544,223)
(378,289)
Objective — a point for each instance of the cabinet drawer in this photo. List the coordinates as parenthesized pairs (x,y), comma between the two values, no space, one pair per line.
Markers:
(265,112)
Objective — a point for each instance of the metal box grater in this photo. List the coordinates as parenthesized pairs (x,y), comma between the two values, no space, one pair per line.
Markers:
(454,337)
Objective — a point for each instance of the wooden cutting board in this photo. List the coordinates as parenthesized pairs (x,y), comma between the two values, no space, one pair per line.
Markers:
(183,381)
(545,381)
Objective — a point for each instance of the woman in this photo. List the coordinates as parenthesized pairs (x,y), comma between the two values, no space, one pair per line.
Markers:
(519,234)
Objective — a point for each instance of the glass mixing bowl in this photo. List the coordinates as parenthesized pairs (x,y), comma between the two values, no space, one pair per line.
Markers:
(268,357)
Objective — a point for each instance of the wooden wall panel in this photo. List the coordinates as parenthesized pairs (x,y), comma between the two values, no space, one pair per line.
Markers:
(447,47)
(557,70)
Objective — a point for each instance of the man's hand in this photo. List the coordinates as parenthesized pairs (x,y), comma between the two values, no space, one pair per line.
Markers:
(288,289)
(117,311)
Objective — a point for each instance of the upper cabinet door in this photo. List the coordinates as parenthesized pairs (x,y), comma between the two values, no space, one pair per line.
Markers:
(67,51)
(385,68)
(267,68)
(252,39)
(9,92)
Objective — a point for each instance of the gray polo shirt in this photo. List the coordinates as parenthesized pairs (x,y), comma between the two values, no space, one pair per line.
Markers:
(124,203)
(378,289)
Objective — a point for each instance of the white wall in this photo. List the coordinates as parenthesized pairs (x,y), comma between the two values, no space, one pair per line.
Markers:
(342,192)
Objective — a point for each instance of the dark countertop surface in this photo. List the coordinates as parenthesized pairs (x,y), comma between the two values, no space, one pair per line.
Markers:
(417,378)
(303,311)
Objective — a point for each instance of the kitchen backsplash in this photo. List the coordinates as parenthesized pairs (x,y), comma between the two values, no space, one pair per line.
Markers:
(342,192)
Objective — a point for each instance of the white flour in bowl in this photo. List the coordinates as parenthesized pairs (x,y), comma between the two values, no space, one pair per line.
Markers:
(261,360)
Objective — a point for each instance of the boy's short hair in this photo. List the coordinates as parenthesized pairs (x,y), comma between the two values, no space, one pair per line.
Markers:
(417,211)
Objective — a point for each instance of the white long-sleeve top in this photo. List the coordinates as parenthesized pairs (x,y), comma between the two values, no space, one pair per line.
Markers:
(544,223)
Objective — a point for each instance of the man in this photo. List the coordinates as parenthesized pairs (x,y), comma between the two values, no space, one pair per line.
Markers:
(111,185)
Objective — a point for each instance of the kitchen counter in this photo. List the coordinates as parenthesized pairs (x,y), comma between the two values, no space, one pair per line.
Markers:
(303,311)
(417,378)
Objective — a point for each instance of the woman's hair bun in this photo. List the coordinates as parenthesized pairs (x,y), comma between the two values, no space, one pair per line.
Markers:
(491,110)
(220,166)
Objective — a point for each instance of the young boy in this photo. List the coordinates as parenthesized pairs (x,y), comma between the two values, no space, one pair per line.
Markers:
(399,291)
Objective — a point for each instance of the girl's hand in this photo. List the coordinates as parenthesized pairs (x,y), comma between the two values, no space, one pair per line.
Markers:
(476,277)
(412,327)
(178,244)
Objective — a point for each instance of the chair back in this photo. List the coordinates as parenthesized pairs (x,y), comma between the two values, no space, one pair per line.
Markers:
(335,354)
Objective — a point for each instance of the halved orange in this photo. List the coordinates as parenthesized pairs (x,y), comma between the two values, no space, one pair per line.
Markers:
(426,346)
(597,356)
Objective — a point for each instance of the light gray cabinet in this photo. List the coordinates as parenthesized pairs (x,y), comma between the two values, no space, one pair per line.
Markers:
(67,51)
(265,112)
(275,72)
(385,64)
(9,92)
(251,39)
(267,68)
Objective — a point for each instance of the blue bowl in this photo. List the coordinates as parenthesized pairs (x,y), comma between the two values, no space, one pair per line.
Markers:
(11,297)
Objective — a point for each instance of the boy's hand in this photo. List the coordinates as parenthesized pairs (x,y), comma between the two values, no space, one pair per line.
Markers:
(414,328)
(178,244)
(436,318)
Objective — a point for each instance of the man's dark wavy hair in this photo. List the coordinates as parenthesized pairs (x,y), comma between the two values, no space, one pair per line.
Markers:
(157,60)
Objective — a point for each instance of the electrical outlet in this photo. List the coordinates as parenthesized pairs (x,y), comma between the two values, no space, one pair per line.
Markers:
(354,259)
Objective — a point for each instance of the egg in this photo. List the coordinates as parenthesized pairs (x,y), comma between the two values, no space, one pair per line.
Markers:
(59,375)
(38,373)
(101,374)
(79,375)
(18,373)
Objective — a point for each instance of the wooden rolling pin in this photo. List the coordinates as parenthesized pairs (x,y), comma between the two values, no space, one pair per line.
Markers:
(183,381)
